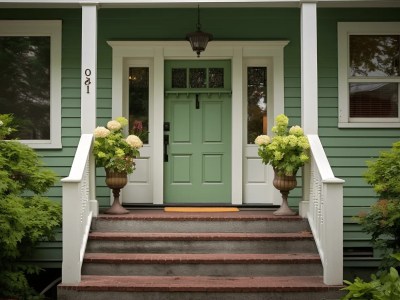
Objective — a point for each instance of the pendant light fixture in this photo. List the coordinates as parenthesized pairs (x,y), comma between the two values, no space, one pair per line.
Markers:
(199,39)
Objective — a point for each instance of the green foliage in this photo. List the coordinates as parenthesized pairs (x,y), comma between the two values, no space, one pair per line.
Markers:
(287,151)
(384,173)
(24,220)
(385,286)
(383,219)
(114,152)
(383,223)
(5,123)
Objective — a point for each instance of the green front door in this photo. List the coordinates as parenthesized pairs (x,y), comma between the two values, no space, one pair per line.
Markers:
(197,140)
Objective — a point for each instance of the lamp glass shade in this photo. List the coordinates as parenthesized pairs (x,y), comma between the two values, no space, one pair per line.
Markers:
(199,40)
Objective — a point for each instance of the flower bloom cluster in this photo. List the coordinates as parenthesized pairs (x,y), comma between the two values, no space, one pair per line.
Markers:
(114,152)
(101,132)
(287,151)
(114,125)
(296,130)
(134,141)
(262,140)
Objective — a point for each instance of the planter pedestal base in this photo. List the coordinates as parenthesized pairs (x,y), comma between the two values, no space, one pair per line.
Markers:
(284,210)
(116,208)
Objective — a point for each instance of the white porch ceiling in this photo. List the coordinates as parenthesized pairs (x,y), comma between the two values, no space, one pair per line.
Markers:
(193,3)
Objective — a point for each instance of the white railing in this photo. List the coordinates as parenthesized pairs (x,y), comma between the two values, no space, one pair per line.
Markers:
(78,207)
(324,193)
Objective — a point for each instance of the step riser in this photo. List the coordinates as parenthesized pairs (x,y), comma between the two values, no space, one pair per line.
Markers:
(202,269)
(268,246)
(261,226)
(68,294)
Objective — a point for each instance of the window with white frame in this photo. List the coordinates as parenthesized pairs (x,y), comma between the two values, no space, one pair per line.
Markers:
(369,74)
(30,80)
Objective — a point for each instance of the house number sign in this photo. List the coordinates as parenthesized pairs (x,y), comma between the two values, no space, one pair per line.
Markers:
(88,82)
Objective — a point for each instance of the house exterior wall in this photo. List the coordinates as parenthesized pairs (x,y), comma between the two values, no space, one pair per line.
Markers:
(347,149)
(59,160)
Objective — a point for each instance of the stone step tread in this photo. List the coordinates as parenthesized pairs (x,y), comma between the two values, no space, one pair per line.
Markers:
(159,215)
(221,258)
(200,284)
(198,236)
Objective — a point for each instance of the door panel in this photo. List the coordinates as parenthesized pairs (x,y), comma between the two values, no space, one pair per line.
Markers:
(199,156)
(197,166)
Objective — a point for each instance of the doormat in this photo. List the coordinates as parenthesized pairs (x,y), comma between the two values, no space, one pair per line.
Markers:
(201,209)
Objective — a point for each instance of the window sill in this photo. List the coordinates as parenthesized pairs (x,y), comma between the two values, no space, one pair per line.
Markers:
(44,144)
(369,125)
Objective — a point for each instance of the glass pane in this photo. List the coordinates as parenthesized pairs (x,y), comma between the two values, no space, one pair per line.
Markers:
(216,77)
(25,84)
(374,100)
(256,102)
(374,55)
(139,102)
(179,78)
(197,78)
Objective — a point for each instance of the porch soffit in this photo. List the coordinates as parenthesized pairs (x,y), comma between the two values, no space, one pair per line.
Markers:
(192,3)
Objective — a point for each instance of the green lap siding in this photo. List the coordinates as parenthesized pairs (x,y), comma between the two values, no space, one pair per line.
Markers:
(49,254)
(347,149)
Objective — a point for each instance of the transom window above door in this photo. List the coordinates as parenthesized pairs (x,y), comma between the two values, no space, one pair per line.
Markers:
(207,75)
(369,74)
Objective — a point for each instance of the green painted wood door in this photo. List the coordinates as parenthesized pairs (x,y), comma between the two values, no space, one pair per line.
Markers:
(198,111)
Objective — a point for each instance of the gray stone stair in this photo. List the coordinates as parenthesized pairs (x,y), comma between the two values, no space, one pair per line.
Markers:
(134,264)
(150,254)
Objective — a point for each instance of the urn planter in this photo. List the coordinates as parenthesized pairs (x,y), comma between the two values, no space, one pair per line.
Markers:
(284,184)
(116,181)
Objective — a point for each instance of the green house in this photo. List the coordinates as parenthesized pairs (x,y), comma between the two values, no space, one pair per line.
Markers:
(331,66)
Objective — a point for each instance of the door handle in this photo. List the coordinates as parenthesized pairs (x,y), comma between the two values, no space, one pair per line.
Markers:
(166,143)
(197,102)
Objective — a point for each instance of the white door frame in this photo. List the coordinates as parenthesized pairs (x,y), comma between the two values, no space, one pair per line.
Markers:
(159,51)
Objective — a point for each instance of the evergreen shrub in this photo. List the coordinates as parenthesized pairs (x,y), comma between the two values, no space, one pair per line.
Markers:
(26,216)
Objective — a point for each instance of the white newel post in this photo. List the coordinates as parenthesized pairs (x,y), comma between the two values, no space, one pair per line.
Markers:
(333,233)
(71,265)
(309,84)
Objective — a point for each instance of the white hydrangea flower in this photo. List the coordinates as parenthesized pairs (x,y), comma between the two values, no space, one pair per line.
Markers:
(114,125)
(1,123)
(296,130)
(262,140)
(134,141)
(101,132)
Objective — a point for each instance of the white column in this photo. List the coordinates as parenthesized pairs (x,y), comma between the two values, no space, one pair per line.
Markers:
(237,126)
(309,73)
(89,67)
(158,130)
(309,85)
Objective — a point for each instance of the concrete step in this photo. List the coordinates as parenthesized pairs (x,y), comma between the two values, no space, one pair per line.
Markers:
(160,221)
(199,287)
(129,264)
(201,242)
